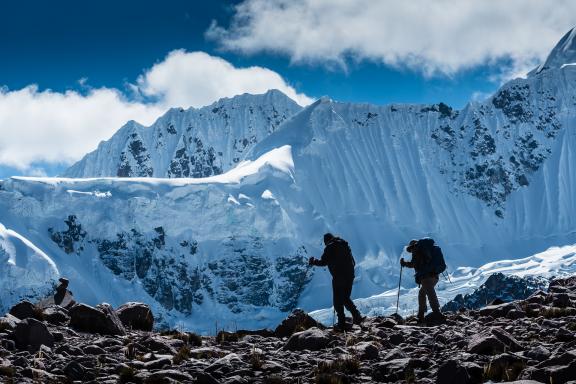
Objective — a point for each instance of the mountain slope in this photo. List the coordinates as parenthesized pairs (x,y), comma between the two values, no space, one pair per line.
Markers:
(189,143)
(492,181)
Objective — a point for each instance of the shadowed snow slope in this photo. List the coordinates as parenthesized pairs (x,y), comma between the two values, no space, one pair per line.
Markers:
(25,271)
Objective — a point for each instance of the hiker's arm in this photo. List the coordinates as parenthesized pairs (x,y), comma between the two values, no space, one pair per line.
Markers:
(407,264)
(323,261)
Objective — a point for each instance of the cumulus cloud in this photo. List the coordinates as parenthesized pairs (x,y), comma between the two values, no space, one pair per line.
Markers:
(197,79)
(60,127)
(440,36)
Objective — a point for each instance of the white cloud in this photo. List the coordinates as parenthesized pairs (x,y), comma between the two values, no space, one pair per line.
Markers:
(197,79)
(55,127)
(439,36)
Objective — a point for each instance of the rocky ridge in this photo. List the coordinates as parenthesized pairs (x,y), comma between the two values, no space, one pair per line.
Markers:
(533,340)
(498,287)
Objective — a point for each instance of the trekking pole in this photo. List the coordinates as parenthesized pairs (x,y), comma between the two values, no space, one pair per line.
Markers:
(446,275)
(399,283)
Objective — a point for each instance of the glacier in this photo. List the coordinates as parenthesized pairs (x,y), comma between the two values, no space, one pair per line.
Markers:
(228,245)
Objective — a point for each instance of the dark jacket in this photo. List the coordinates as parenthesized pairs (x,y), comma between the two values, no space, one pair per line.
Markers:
(338,257)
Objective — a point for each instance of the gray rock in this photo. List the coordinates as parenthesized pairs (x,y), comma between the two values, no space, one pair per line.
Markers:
(539,353)
(452,372)
(313,339)
(366,350)
(485,345)
(85,318)
(158,364)
(24,310)
(113,323)
(136,316)
(93,350)
(31,334)
(297,321)
(506,338)
(8,322)
(74,371)
(56,315)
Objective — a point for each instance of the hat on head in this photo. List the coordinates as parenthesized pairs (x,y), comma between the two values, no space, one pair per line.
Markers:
(411,246)
(328,236)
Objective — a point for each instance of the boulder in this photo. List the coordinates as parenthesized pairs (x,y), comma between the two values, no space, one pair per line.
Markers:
(24,310)
(136,316)
(452,372)
(74,371)
(8,322)
(56,315)
(297,321)
(539,353)
(366,350)
(398,369)
(485,345)
(30,334)
(85,318)
(113,323)
(313,339)
(507,339)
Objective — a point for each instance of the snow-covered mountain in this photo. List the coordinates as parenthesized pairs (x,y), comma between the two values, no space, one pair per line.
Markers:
(492,181)
(189,143)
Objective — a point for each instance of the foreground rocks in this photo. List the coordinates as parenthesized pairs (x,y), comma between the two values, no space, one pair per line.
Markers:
(58,345)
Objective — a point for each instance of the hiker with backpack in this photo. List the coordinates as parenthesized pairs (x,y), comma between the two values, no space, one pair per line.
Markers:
(428,262)
(338,257)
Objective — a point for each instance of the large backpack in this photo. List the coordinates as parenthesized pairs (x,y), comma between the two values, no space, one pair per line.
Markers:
(433,258)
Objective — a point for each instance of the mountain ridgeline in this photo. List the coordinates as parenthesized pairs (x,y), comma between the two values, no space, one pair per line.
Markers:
(189,143)
(265,178)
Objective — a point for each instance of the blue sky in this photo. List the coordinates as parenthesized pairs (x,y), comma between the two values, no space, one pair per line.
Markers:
(62,63)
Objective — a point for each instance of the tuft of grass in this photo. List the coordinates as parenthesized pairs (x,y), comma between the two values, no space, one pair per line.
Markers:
(256,360)
(7,371)
(346,365)
(508,371)
(227,337)
(130,351)
(187,337)
(183,354)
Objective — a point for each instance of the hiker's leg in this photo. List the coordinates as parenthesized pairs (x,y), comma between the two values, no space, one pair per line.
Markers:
(428,284)
(432,297)
(348,303)
(421,301)
(338,298)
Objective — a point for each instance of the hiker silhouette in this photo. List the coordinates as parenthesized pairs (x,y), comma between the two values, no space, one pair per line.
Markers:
(338,257)
(428,263)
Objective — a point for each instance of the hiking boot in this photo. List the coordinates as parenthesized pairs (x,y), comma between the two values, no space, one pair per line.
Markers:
(342,327)
(359,319)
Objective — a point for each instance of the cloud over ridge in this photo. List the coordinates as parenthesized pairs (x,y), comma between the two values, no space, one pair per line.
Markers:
(60,127)
(432,37)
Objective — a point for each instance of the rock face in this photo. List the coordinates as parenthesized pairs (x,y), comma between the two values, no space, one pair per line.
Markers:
(497,287)
(189,143)
(468,348)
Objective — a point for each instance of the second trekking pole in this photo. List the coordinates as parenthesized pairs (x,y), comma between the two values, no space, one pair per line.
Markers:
(399,283)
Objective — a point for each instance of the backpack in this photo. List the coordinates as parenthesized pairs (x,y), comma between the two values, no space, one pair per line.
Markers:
(433,258)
